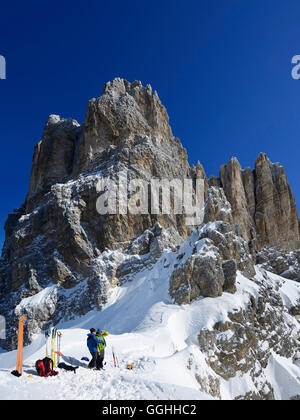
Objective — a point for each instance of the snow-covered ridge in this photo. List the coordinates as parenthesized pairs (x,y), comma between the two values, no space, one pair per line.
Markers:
(162,340)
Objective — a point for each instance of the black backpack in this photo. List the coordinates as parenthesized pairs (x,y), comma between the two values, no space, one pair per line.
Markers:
(44,367)
(67,367)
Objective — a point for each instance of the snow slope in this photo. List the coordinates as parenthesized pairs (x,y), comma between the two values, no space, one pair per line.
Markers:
(158,337)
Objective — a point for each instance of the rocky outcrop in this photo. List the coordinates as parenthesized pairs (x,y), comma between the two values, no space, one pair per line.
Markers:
(219,228)
(200,275)
(230,246)
(263,206)
(217,207)
(247,342)
(229,270)
(217,255)
(283,263)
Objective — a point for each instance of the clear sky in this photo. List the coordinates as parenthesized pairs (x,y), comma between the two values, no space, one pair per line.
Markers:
(222,68)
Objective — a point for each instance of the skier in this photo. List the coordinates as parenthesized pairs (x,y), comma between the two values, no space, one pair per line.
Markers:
(101,347)
(92,343)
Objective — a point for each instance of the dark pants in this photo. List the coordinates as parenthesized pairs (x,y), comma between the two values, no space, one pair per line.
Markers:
(93,362)
(100,359)
(97,360)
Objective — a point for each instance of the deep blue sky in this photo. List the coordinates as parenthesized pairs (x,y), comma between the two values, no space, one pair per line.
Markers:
(221,67)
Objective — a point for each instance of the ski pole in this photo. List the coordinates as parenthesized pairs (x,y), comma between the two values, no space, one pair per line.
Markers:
(53,336)
(113,353)
(116,362)
(58,346)
(46,336)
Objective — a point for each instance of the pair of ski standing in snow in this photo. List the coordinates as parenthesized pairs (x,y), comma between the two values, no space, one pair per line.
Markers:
(96,344)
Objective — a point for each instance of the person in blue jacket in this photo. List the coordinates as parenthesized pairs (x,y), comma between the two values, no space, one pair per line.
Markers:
(92,343)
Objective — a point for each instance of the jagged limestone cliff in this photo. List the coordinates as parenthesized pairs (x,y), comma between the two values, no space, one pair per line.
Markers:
(61,250)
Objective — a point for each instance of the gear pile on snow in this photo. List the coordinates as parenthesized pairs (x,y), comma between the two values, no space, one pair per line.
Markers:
(44,367)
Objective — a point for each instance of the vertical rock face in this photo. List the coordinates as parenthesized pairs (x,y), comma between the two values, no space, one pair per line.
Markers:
(53,157)
(249,185)
(276,215)
(232,182)
(263,206)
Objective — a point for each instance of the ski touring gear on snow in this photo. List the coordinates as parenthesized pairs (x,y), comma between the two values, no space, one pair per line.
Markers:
(86,359)
(19,366)
(130,367)
(51,334)
(44,367)
(58,344)
(116,362)
(68,368)
(47,336)
(52,338)
(16,373)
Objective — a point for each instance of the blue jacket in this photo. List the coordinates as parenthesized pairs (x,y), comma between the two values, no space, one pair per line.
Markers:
(92,343)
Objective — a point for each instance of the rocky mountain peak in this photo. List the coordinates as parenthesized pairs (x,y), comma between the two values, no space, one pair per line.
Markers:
(58,240)
(53,157)
(124,111)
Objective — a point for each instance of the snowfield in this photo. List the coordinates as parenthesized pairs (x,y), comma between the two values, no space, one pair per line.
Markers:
(158,337)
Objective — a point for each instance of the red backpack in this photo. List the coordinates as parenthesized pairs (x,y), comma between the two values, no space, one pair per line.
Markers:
(44,367)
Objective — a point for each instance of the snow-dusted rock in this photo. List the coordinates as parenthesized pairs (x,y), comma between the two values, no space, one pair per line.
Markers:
(229,270)
(217,207)
(283,263)
(245,342)
(200,275)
